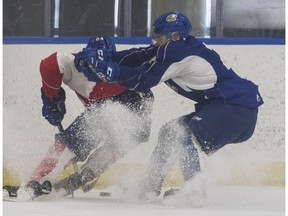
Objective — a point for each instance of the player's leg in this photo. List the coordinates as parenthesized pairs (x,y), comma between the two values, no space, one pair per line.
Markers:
(188,155)
(51,167)
(171,138)
(113,149)
(189,159)
(80,139)
(69,138)
(79,136)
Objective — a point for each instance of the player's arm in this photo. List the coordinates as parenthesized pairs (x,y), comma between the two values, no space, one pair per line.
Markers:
(51,76)
(139,78)
(105,49)
(144,77)
(53,96)
(97,65)
(134,57)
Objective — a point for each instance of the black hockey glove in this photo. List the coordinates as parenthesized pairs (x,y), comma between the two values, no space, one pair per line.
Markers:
(54,111)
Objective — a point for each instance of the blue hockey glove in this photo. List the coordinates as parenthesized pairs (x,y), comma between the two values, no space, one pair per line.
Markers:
(104,45)
(54,111)
(85,61)
(107,71)
(86,55)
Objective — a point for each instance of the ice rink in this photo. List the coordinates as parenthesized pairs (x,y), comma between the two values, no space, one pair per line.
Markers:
(241,179)
(220,201)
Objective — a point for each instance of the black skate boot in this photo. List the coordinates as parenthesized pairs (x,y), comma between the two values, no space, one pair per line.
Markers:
(75,181)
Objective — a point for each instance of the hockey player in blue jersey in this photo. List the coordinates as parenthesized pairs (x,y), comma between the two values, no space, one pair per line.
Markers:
(226,105)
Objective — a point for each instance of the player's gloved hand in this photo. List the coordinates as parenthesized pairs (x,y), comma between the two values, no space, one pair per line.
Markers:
(54,110)
(107,71)
(86,55)
(85,61)
(104,45)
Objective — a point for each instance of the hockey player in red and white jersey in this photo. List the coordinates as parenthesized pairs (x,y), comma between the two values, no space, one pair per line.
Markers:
(96,125)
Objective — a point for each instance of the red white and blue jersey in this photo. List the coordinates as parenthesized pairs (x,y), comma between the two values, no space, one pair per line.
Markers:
(193,71)
(59,67)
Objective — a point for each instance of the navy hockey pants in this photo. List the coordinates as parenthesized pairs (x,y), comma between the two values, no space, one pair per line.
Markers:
(216,123)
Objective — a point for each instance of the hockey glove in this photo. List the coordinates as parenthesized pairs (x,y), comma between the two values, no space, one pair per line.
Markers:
(54,110)
(107,71)
(85,61)
(104,45)
(86,55)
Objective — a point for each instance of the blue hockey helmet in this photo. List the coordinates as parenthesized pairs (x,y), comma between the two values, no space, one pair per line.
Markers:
(172,21)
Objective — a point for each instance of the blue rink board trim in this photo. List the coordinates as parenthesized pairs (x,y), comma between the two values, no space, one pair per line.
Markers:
(138,40)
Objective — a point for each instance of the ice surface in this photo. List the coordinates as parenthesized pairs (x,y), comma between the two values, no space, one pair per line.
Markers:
(220,201)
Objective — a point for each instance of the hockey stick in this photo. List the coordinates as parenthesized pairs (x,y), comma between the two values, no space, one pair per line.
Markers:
(60,127)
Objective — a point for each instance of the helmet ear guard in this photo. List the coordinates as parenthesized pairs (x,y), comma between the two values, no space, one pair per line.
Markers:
(171,22)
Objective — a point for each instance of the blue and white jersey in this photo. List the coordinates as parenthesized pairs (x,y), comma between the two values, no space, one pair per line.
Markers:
(135,57)
(193,71)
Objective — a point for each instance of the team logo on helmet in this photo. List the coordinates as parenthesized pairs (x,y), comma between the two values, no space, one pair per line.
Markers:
(171,18)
